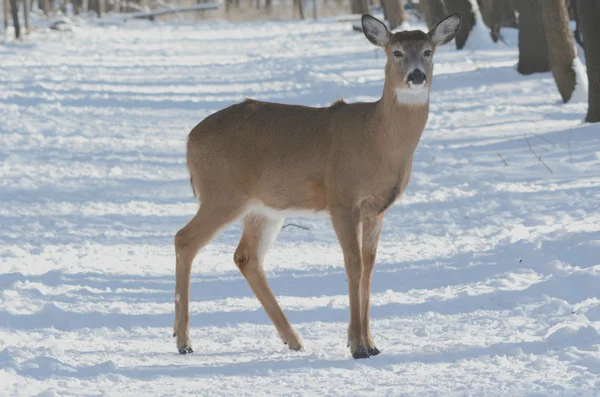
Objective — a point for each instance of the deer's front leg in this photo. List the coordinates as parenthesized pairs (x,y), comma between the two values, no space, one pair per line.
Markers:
(370,238)
(347,225)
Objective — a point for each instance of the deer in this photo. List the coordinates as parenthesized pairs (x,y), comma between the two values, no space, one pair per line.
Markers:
(260,162)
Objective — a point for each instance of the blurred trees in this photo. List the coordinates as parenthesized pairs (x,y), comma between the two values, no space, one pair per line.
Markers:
(463,7)
(588,15)
(393,12)
(359,6)
(433,11)
(14,11)
(533,50)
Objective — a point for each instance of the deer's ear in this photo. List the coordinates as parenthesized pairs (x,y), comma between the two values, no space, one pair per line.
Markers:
(375,31)
(445,30)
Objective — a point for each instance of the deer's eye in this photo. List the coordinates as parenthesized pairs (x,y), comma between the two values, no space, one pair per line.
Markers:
(428,53)
(398,54)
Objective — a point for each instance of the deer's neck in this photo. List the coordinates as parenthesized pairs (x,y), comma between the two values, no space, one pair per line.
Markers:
(403,120)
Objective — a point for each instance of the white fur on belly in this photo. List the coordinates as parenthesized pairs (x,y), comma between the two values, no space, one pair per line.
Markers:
(271,228)
(268,212)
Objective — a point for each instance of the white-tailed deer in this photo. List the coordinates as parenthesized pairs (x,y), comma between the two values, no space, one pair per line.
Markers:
(263,161)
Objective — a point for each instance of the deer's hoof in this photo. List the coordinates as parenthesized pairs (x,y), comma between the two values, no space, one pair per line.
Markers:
(373,351)
(186,350)
(294,345)
(360,353)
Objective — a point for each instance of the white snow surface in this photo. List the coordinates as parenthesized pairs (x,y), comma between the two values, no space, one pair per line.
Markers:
(479,37)
(580,93)
(488,274)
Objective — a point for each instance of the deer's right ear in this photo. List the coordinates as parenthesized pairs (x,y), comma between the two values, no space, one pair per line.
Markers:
(375,31)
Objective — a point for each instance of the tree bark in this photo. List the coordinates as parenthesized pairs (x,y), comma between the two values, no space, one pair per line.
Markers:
(26,15)
(468,19)
(497,19)
(300,8)
(14,10)
(561,50)
(510,17)
(359,6)
(588,12)
(533,48)
(46,8)
(486,7)
(5,13)
(394,12)
(433,11)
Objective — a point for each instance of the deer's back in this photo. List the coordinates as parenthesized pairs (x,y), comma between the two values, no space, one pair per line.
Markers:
(266,150)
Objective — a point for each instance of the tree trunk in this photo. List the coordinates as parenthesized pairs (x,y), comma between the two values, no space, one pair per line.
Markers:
(300,8)
(46,8)
(14,10)
(588,12)
(533,48)
(561,50)
(468,19)
(510,18)
(359,6)
(26,15)
(433,11)
(5,13)
(496,19)
(394,11)
(486,7)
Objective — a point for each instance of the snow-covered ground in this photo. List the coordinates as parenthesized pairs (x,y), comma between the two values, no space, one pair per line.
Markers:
(488,274)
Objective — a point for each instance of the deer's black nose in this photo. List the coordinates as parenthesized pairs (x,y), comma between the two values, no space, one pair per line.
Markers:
(417,77)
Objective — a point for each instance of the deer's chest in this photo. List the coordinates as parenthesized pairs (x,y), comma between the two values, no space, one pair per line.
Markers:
(386,191)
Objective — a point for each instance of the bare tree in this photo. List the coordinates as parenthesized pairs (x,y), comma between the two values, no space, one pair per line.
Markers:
(26,15)
(5,13)
(533,48)
(463,7)
(394,12)
(588,15)
(300,8)
(46,7)
(359,6)
(14,10)
(433,11)
(561,49)
(486,6)
(497,19)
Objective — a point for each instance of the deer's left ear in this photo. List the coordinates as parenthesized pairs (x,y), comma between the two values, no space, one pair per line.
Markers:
(375,31)
(445,30)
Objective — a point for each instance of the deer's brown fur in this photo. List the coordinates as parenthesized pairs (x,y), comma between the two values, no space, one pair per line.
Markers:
(258,160)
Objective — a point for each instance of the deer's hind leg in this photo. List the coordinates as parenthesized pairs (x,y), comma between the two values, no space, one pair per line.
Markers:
(210,218)
(259,234)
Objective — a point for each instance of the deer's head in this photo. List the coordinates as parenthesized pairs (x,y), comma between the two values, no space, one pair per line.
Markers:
(409,67)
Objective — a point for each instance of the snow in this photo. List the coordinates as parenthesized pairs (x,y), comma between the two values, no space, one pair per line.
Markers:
(580,93)
(488,274)
(479,37)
